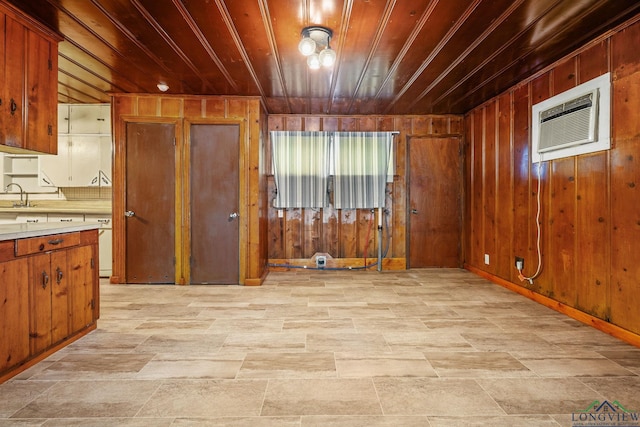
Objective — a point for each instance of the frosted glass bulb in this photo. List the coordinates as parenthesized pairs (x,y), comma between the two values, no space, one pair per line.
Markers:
(313,61)
(328,57)
(307,46)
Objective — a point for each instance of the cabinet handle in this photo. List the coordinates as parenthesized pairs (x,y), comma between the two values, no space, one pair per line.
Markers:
(55,241)
(58,275)
(13,107)
(45,280)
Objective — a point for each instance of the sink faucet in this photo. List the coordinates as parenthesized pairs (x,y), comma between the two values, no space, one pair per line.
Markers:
(23,202)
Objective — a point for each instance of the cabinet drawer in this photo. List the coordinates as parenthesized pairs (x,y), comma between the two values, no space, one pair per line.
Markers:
(33,218)
(65,218)
(46,243)
(6,250)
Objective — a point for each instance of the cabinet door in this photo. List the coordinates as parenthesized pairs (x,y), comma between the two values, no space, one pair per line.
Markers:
(77,164)
(30,79)
(40,302)
(105,256)
(79,276)
(11,110)
(55,171)
(104,242)
(84,152)
(14,313)
(60,280)
(90,118)
(63,119)
(41,94)
(106,151)
(3,76)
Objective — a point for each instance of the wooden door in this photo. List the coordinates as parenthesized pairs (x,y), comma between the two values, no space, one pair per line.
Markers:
(150,203)
(214,203)
(435,202)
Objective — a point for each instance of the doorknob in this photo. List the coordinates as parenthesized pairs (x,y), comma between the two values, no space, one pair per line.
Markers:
(414,211)
(129,214)
(233,215)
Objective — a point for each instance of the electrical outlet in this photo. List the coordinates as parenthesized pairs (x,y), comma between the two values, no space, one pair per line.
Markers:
(519,263)
(321,261)
(486,259)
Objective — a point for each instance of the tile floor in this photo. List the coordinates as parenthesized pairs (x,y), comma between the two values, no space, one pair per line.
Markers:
(308,348)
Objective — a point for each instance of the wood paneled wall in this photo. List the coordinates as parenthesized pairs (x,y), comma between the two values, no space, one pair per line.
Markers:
(590,204)
(249,112)
(348,236)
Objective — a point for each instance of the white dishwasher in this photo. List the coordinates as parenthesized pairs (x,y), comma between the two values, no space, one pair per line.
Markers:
(105,236)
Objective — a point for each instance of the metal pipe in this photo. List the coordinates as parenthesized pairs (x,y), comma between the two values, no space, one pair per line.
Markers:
(380,213)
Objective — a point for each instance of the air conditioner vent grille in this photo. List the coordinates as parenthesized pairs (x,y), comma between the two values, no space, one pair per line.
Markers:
(570,123)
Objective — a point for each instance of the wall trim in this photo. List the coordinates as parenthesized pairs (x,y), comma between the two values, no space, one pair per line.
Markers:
(587,319)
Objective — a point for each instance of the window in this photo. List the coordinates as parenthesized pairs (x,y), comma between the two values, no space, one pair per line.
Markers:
(304,161)
(301,169)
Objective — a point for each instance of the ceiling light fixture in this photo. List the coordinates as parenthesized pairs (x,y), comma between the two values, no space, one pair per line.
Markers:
(163,87)
(315,46)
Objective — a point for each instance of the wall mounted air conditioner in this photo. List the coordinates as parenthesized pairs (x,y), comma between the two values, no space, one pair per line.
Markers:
(574,122)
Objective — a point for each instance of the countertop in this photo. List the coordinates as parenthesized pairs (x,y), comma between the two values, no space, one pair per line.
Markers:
(59,206)
(21,231)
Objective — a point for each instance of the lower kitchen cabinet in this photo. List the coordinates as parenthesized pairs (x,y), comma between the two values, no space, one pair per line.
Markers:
(61,295)
(49,295)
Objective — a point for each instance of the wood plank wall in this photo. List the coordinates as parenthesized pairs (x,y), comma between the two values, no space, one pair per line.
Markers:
(590,213)
(348,236)
(246,110)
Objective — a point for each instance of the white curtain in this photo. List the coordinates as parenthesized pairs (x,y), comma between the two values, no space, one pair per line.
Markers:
(301,168)
(361,160)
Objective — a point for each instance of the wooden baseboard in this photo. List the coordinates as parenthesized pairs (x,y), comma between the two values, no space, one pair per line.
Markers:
(256,281)
(581,316)
(338,263)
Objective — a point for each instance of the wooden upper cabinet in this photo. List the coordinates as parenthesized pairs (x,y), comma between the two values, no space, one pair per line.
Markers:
(29,94)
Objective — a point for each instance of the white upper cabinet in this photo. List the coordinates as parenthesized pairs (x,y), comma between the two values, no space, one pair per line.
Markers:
(84,148)
(90,119)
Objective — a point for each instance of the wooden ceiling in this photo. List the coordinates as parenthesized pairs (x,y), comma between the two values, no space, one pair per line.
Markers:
(393,56)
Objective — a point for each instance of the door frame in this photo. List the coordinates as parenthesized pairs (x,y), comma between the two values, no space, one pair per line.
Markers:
(243,197)
(119,196)
(408,214)
(182,200)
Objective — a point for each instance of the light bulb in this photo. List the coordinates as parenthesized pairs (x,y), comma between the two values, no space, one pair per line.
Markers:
(307,46)
(313,61)
(327,57)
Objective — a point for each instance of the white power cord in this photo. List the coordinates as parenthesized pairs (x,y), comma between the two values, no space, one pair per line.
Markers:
(539,269)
